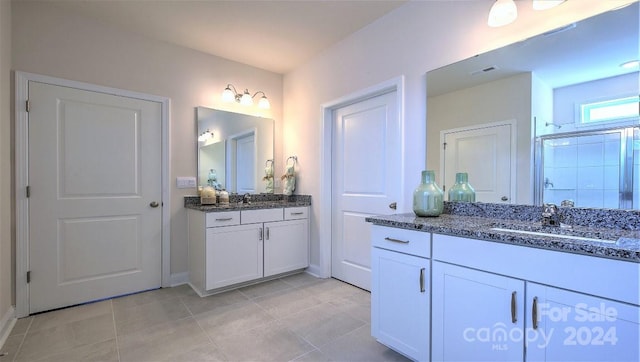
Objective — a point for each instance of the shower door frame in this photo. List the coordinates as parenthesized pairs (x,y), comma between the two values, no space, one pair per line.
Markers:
(627,135)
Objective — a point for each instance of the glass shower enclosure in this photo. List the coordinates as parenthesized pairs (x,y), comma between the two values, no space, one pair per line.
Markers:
(598,168)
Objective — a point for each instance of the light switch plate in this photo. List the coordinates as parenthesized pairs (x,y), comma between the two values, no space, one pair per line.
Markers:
(185,182)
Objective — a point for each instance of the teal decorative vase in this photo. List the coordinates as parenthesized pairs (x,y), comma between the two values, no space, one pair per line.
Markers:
(461,190)
(428,197)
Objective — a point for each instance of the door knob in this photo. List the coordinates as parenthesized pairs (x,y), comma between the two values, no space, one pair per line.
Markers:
(154,204)
(504,198)
(393,205)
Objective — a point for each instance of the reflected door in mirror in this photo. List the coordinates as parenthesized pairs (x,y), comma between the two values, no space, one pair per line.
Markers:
(485,153)
(245,164)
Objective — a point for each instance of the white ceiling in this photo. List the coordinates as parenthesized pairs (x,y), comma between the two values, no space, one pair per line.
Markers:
(269,34)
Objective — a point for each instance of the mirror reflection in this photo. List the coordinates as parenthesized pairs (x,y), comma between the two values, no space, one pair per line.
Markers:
(551,118)
(235,151)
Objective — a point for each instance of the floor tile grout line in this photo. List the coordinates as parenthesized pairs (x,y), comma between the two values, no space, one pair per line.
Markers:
(24,338)
(332,339)
(210,339)
(282,317)
(193,316)
(115,329)
(306,353)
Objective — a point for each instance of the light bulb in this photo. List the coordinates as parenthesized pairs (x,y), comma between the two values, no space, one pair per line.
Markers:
(631,64)
(546,4)
(502,12)
(228,95)
(264,103)
(246,99)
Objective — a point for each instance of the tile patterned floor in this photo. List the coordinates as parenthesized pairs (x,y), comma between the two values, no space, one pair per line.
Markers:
(296,318)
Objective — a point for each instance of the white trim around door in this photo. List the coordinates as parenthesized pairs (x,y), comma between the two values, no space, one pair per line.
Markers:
(396,85)
(22,80)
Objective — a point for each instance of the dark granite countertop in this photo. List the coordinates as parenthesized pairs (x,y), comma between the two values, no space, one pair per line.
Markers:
(626,247)
(258,201)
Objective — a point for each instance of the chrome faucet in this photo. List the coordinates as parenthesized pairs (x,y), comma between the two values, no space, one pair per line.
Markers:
(246,198)
(567,203)
(550,215)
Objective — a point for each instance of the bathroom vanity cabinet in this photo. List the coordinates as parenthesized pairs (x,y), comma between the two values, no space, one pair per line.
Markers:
(232,248)
(493,301)
(498,301)
(400,290)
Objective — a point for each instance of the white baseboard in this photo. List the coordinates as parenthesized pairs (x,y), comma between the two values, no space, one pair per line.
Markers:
(183,278)
(6,325)
(179,278)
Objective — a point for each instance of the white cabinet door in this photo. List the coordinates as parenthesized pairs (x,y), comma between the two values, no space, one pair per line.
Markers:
(286,246)
(233,255)
(576,327)
(476,316)
(400,302)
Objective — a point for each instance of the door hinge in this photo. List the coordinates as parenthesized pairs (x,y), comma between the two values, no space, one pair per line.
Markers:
(28,191)
(27,105)
(29,276)
(444,146)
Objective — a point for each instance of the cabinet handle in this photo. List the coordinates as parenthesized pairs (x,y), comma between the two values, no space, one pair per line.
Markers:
(397,240)
(297,213)
(260,235)
(514,319)
(534,313)
(224,219)
(267,234)
(422,280)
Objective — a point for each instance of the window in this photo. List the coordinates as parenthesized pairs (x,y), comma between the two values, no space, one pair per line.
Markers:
(610,110)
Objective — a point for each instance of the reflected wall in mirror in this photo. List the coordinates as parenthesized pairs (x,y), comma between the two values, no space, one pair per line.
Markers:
(236,153)
(485,113)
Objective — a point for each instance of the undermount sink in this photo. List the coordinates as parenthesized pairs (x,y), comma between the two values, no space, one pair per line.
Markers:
(558,235)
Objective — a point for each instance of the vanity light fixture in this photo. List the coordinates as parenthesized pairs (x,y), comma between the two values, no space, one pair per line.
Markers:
(546,4)
(631,64)
(204,136)
(502,12)
(230,94)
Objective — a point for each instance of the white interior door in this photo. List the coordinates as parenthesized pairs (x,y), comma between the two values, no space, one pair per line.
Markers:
(486,154)
(95,194)
(366,162)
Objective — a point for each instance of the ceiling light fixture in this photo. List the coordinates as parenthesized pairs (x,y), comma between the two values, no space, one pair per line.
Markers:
(502,12)
(546,4)
(230,94)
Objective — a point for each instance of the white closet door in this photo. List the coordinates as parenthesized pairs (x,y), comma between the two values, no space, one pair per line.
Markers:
(95,206)
(367,160)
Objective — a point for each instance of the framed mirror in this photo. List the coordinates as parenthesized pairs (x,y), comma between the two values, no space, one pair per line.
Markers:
(235,150)
(489,116)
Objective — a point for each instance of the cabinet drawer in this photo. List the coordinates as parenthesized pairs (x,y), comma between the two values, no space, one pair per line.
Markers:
(402,240)
(262,215)
(226,218)
(293,213)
